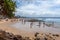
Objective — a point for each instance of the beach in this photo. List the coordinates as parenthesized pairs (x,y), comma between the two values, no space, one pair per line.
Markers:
(5,25)
(17,28)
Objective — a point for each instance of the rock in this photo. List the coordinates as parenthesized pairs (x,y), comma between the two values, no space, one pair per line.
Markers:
(36,34)
(10,36)
(19,37)
(37,39)
(56,35)
(27,38)
(1,38)
(14,38)
(45,38)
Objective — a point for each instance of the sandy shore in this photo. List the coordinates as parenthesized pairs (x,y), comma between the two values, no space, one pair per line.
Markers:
(5,25)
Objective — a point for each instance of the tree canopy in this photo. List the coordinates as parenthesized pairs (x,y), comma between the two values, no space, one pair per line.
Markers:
(9,6)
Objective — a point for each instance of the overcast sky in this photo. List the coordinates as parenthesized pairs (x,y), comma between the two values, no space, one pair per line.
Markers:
(38,8)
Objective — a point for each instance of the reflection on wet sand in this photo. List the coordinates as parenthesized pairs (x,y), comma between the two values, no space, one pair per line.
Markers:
(32,21)
(50,24)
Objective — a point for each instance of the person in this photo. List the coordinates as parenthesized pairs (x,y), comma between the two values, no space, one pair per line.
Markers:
(31,24)
(43,24)
(39,24)
(24,21)
(52,24)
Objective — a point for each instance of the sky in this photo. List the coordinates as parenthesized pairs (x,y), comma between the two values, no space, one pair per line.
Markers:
(38,8)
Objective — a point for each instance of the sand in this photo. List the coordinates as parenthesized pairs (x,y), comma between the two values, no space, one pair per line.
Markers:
(5,25)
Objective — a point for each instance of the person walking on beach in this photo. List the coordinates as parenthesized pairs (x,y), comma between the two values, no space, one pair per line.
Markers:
(24,21)
(39,24)
(43,24)
(52,24)
(31,24)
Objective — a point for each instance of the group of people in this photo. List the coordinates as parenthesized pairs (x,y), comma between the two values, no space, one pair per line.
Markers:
(32,22)
(39,23)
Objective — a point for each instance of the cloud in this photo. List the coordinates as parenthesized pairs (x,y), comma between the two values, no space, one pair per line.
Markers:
(38,8)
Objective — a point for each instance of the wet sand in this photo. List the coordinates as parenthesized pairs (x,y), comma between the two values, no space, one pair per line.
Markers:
(6,26)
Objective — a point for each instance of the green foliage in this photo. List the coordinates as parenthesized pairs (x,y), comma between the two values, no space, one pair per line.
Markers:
(9,7)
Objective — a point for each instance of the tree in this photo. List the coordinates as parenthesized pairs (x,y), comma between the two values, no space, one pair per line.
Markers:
(9,7)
